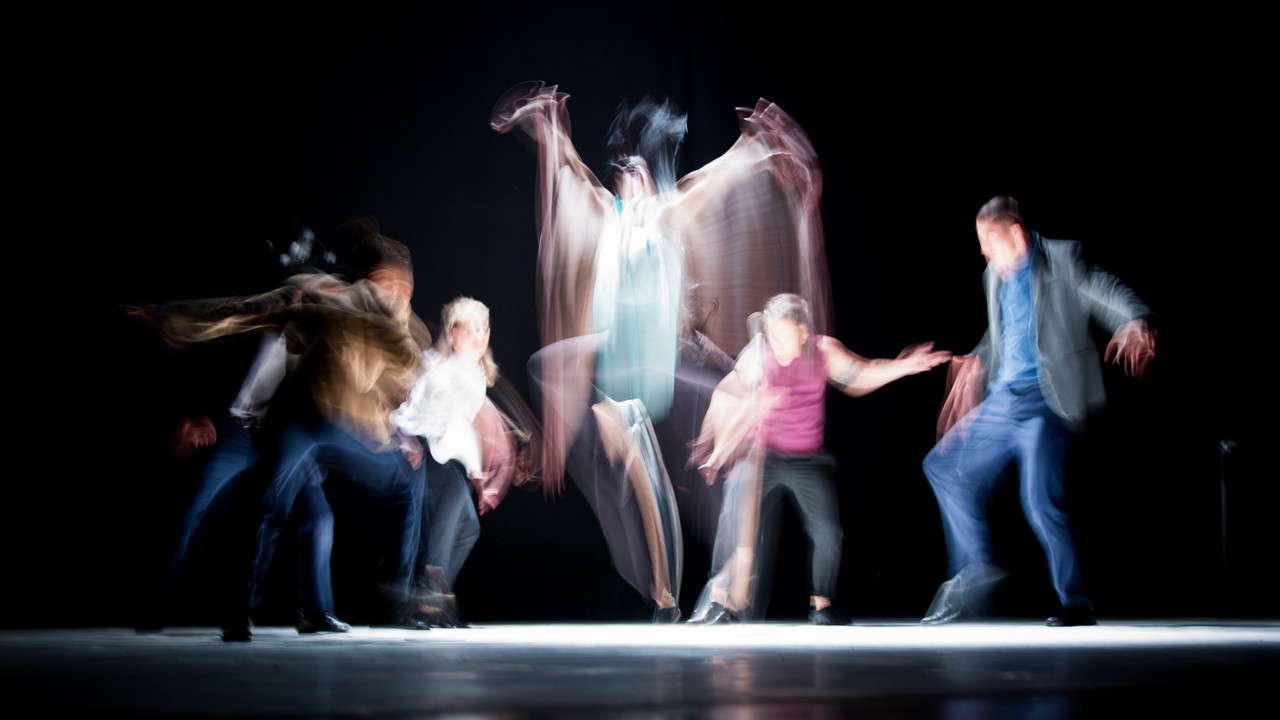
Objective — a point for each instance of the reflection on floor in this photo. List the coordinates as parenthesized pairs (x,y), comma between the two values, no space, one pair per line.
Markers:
(764,670)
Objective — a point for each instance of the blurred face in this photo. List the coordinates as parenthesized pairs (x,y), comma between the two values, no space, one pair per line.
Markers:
(633,180)
(1003,245)
(786,338)
(397,287)
(469,338)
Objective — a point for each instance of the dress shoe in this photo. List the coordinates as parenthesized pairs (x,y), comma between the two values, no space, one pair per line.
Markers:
(827,616)
(947,605)
(238,630)
(407,617)
(414,623)
(1073,617)
(966,596)
(716,614)
(309,623)
(946,614)
(440,610)
(666,616)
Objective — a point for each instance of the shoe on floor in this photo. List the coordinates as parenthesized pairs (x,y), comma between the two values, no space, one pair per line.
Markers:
(1073,617)
(238,630)
(716,614)
(309,623)
(827,616)
(440,611)
(406,617)
(965,597)
(666,616)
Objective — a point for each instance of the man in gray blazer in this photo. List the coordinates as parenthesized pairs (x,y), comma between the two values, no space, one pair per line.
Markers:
(1028,386)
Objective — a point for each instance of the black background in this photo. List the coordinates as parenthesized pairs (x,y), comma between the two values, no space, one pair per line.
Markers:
(163,153)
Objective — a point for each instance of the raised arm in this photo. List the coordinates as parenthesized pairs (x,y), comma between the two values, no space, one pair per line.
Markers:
(571,206)
(854,375)
(751,222)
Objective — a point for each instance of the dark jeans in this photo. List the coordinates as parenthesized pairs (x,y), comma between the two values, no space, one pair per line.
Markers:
(1009,426)
(308,445)
(452,525)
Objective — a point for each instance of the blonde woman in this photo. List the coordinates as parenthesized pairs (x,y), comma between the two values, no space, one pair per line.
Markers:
(449,407)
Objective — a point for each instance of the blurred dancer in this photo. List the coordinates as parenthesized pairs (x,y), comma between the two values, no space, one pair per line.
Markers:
(231,477)
(358,349)
(766,428)
(628,277)
(1028,386)
(471,461)
(230,482)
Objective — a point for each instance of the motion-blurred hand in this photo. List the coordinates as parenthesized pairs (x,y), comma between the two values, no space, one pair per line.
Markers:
(193,433)
(964,391)
(1133,346)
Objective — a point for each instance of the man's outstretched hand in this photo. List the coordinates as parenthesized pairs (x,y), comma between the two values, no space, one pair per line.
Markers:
(1133,346)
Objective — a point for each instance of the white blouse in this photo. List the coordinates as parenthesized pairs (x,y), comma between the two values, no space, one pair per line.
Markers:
(443,405)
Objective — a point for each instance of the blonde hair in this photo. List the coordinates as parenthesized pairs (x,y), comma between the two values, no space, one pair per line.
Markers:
(463,309)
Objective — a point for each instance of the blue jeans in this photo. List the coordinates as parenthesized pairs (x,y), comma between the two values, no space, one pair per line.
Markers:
(226,480)
(1008,426)
(233,455)
(308,445)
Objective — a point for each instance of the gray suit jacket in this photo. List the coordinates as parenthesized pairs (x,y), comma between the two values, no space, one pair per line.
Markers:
(1067,295)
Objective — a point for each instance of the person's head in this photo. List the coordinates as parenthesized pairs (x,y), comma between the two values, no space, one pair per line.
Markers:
(644,142)
(631,178)
(385,262)
(465,322)
(786,326)
(464,331)
(1002,234)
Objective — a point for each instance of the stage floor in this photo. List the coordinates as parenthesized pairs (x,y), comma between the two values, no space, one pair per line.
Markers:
(769,670)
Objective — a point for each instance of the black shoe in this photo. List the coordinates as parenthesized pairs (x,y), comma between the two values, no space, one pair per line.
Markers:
(666,616)
(408,622)
(435,608)
(1073,617)
(413,623)
(827,616)
(947,605)
(407,617)
(716,614)
(309,623)
(967,596)
(238,630)
(945,615)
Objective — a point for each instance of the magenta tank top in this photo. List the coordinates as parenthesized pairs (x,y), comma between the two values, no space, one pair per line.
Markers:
(797,422)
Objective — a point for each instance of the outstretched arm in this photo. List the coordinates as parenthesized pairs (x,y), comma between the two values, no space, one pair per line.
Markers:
(855,375)
(1118,309)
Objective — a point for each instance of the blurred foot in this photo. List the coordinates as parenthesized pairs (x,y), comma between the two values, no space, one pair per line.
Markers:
(827,616)
(716,614)
(1073,617)
(440,610)
(666,616)
(238,630)
(967,596)
(309,623)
